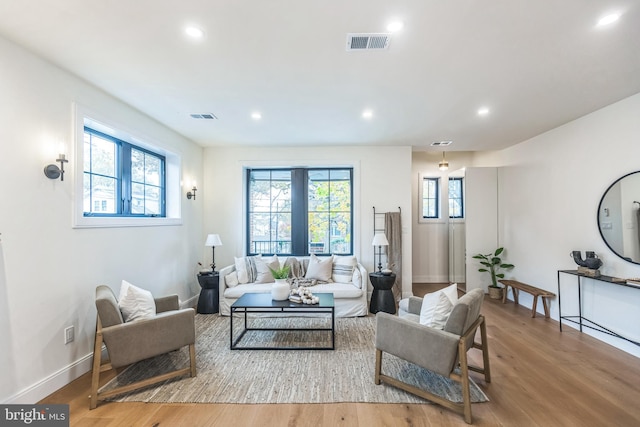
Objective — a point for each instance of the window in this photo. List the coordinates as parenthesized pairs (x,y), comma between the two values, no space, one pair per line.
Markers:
(299,211)
(430,198)
(456,200)
(121,179)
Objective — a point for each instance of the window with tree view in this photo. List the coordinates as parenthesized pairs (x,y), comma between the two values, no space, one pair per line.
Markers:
(299,211)
(121,179)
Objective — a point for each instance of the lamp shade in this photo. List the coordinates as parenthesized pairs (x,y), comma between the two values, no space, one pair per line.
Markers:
(379,239)
(213,240)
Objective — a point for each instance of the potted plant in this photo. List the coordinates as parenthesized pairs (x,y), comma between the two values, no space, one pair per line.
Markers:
(281,273)
(280,289)
(492,264)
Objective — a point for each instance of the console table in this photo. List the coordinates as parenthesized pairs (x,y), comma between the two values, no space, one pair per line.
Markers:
(581,320)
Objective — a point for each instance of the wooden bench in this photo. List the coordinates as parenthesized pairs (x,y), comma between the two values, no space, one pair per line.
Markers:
(536,292)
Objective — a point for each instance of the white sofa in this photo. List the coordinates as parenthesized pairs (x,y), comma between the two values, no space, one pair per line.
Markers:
(350,298)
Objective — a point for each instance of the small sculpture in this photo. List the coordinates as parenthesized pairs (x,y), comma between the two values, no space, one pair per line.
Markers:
(591,261)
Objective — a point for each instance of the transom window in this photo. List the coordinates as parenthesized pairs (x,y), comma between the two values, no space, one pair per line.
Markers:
(121,179)
(299,211)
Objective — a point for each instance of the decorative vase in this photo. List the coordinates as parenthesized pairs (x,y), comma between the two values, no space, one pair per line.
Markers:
(495,293)
(280,290)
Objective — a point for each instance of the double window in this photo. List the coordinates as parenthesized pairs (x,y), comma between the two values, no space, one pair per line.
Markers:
(430,197)
(299,211)
(121,179)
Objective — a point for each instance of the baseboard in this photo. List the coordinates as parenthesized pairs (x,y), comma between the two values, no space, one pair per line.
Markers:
(430,279)
(53,382)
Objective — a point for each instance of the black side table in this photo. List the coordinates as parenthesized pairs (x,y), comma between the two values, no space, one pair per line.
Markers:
(208,300)
(382,298)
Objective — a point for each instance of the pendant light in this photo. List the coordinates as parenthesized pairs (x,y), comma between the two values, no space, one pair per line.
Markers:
(443,165)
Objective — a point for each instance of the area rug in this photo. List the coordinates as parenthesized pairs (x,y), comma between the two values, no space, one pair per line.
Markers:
(345,374)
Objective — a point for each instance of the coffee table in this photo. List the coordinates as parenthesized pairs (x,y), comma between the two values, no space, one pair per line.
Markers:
(262,303)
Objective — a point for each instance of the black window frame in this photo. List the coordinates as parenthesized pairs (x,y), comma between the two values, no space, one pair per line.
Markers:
(299,210)
(436,198)
(125,181)
(460,180)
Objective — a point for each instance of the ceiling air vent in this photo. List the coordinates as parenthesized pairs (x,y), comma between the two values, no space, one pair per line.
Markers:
(368,41)
(206,116)
(440,143)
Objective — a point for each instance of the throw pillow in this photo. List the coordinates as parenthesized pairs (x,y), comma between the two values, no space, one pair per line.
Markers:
(430,302)
(442,312)
(231,279)
(342,270)
(263,274)
(356,278)
(246,268)
(319,268)
(135,303)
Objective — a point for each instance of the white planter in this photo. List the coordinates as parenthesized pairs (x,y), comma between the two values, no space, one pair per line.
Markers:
(280,290)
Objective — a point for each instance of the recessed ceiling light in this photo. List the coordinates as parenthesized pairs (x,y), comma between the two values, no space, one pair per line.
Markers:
(367,114)
(194,32)
(483,111)
(608,19)
(256,115)
(395,26)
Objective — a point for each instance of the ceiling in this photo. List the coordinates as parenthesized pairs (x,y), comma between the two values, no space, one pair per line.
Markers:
(535,65)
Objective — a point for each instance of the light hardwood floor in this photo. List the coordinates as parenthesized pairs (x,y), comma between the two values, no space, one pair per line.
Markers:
(540,377)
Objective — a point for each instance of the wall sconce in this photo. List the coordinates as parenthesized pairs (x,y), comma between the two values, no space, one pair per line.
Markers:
(443,165)
(192,194)
(53,171)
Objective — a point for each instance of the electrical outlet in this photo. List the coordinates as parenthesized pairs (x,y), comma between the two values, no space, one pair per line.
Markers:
(68,335)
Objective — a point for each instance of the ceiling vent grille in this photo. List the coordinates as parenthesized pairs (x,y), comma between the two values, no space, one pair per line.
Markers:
(368,41)
(206,116)
(440,143)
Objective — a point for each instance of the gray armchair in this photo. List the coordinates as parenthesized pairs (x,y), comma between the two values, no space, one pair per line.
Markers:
(441,351)
(132,342)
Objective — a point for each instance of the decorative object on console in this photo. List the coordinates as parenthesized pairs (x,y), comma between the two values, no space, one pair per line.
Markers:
(590,265)
(493,264)
(213,240)
(53,171)
(380,240)
(303,296)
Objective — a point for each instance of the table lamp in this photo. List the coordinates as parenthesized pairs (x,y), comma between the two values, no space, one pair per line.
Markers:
(380,240)
(213,240)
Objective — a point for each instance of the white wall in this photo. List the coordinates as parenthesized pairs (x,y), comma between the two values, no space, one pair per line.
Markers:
(48,270)
(549,190)
(381,179)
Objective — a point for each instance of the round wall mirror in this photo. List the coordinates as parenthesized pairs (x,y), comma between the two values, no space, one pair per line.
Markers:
(619,217)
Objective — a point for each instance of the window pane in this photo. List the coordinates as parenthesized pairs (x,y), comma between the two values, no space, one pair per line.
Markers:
(152,169)
(103,156)
(340,233)
(318,232)
(340,195)
(270,211)
(318,195)
(137,166)
(137,199)
(152,205)
(103,191)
